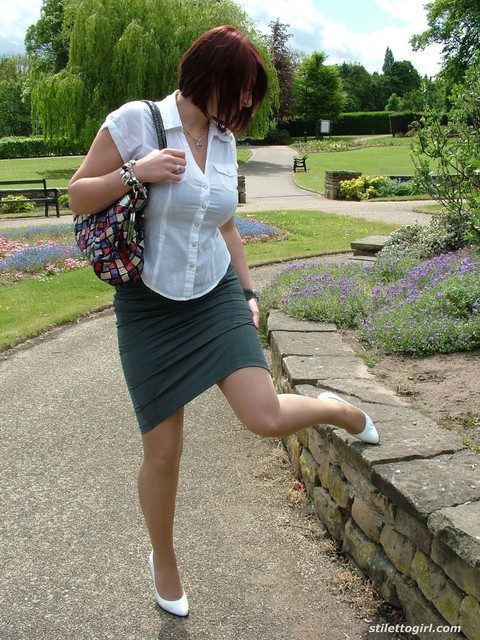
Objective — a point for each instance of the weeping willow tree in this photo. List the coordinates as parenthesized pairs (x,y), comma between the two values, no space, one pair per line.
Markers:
(123,50)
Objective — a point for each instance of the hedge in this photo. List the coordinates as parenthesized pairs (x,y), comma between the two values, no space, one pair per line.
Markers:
(37,147)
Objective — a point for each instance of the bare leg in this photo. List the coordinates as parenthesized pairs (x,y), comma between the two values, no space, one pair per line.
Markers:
(157,489)
(253,398)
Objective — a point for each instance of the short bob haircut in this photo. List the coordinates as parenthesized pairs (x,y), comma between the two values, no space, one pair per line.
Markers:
(222,64)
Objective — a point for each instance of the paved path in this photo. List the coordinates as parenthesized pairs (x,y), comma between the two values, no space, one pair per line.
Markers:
(73,545)
(270,185)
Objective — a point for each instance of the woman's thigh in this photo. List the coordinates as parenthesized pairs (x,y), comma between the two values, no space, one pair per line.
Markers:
(252,396)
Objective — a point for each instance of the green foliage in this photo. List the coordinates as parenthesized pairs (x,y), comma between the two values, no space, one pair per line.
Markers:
(401,304)
(318,89)
(401,123)
(122,51)
(446,154)
(358,87)
(446,232)
(362,188)
(454,24)
(37,147)
(10,204)
(362,123)
(366,187)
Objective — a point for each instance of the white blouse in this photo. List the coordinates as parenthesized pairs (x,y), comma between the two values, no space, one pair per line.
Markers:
(185,253)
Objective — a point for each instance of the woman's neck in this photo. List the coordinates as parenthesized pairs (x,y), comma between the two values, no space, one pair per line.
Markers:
(193,119)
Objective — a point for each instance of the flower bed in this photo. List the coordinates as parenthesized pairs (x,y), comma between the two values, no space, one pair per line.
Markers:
(397,305)
(49,249)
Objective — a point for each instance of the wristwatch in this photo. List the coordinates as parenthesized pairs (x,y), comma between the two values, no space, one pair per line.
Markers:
(251,293)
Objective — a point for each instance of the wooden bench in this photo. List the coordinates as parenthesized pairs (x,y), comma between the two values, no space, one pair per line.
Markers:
(38,194)
(300,163)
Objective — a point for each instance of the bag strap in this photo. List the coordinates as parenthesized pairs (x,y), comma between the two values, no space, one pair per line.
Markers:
(157,118)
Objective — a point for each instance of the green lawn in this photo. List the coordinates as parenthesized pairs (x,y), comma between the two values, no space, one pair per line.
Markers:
(57,171)
(372,161)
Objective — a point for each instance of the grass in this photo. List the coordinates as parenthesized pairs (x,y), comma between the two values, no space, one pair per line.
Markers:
(30,307)
(389,160)
(57,171)
(312,232)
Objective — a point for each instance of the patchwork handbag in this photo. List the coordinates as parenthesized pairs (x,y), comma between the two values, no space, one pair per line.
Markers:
(113,240)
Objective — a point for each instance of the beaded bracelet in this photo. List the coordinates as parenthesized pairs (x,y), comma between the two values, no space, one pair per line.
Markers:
(129,178)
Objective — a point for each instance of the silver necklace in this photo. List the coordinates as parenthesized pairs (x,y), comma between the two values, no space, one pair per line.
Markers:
(197,141)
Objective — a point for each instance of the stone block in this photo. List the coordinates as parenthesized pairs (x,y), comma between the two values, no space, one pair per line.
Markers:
(278,321)
(310,369)
(369,244)
(367,492)
(294,449)
(371,560)
(329,513)
(419,612)
(303,436)
(339,488)
(308,471)
(404,434)
(414,530)
(437,588)
(367,519)
(318,444)
(421,487)
(319,343)
(459,526)
(398,549)
(457,569)
(470,618)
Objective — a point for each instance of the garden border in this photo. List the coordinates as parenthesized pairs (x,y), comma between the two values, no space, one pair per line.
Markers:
(406,512)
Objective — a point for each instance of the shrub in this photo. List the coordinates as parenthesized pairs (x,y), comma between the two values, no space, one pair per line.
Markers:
(398,305)
(362,188)
(10,204)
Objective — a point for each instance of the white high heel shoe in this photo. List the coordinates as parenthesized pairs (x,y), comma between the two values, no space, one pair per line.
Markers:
(369,434)
(175,607)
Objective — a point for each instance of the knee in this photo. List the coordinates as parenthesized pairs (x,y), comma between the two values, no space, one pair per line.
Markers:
(265,425)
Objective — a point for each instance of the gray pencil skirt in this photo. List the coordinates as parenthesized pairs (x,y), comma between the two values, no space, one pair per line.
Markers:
(171,351)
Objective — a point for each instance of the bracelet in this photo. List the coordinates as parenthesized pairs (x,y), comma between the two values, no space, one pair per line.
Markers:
(251,293)
(128,176)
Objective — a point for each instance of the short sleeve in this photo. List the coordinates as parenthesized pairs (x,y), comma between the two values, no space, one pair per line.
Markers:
(126,125)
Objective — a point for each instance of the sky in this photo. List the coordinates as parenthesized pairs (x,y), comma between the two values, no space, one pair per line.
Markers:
(345,30)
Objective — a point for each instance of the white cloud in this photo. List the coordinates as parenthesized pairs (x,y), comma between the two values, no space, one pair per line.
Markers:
(312,30)
(17,17)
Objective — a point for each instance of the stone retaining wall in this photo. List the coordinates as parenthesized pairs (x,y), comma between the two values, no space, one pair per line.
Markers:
(333,179)
(406,511)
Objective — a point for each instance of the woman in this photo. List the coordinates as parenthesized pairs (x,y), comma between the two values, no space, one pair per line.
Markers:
(191,322)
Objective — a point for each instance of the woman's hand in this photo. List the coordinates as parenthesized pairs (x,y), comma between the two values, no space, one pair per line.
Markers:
(161,165)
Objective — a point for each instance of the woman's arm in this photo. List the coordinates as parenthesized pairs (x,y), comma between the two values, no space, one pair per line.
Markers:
(97,183)
(235,246)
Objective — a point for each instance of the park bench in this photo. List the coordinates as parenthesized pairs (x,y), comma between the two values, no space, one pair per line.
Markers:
(300,163)
(40,194)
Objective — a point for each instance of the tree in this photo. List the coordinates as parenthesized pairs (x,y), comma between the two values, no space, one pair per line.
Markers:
(402,77)
(394,103)
(319,89)
(455,24)
(358,85)
(46,41)
(15,106)
(447,158)
(123,50)
(284,64)
(388,60)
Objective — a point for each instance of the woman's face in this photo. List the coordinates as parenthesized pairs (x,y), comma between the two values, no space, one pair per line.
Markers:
(245,101)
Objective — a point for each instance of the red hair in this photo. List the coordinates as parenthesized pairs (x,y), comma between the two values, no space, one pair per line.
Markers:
(222,64)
